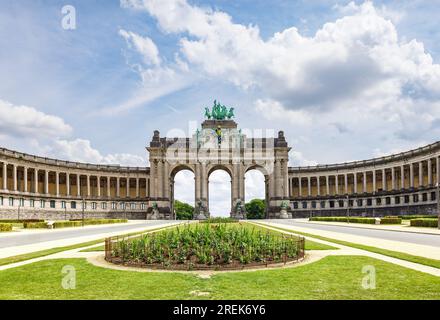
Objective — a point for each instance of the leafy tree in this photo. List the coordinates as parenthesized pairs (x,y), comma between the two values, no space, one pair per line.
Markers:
(256,209)
(184,211)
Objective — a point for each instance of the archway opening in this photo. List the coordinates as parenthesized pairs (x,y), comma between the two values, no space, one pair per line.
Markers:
(182,194)
(255,194)
(219,193)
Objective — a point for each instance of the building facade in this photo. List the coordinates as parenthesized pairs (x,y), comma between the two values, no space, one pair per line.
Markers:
(37,187)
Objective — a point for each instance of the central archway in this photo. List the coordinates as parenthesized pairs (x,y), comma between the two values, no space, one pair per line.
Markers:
(220,191)
(257,185)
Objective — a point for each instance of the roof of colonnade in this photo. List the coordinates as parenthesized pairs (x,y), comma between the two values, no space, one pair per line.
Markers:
(10,154)
(406,155)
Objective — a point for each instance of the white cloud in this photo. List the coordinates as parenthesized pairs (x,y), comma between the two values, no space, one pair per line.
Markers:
(81,150)
(144,45)
(24,121)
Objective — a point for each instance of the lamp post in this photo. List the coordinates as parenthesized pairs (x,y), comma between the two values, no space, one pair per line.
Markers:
(83,207)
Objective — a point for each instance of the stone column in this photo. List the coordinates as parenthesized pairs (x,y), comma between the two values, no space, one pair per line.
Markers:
(166,180)
(128,187)
(336,184)
(5,176)
(57,183)
(35,180)
(327,185)
(299,186)
(67,184)
(137,188)
(346,183)
(118,187)
(355,182)
(384,180)
(318,186)
(437,161)
(108,187)
(88,185)
(14,177)
(393,179)
(309,187)
(25,178)
(98,185)
(420,174)
(364,178)
(374,181)
(402,176)
(46,182)
(78,185)
(411,175)
(429,172)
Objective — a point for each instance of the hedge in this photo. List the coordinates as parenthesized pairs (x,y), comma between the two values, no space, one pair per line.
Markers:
(35,225)
(4,227)
(20,221)
(87,222)
(390,220)
(418,216)
(431,223)
(345,219)
(65,224)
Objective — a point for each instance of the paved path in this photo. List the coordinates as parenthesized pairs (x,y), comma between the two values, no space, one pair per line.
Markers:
(402,236)
(424,245)
(26,242)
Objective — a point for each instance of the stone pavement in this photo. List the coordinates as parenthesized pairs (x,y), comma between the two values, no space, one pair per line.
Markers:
(392,227)
(23,249)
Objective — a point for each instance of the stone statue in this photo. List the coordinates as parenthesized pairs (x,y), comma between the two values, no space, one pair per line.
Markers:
(284,206)
(219,112)
(155,214)
(239,209)
(207,113)
(200,210)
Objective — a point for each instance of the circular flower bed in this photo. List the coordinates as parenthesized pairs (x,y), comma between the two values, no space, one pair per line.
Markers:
(206,246)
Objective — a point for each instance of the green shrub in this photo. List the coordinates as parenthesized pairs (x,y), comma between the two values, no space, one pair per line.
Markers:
(431,223)
(418,216)
(390,220)
(255,209)
(345,219)
(65,224)
(4,227)
(208,245)
(219,220)
(20,221)
(35,225)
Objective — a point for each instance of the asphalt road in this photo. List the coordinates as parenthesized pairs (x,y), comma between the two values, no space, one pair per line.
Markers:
(410,237)
(51,235)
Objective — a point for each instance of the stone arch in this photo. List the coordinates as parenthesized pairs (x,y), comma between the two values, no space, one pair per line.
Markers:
(266,173)
(221,167)
(173,172)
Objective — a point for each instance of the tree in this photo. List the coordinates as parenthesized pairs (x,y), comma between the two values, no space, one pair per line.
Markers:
(184,211)
(256,209)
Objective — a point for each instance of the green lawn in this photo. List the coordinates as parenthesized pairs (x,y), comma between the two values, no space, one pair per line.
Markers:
(334,277)
(395,254)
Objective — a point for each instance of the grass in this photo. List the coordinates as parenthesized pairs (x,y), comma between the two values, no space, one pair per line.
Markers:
(43,253)
(334,277)
(390,253)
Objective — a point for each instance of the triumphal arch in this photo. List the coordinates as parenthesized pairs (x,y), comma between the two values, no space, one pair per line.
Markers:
(219,144)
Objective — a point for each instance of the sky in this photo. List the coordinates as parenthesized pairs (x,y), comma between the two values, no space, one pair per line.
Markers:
(345,80)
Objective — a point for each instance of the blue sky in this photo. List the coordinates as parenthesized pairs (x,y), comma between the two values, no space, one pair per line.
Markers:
(344,80)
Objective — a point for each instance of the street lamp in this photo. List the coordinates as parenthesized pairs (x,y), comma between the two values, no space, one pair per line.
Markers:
(83,207)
